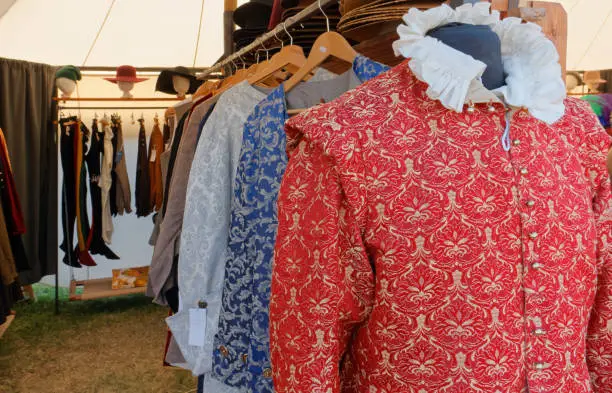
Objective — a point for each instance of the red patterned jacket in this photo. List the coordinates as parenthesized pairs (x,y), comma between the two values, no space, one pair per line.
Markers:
(414,254)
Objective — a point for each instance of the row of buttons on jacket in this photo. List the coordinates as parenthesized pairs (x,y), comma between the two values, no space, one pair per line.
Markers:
(538,331)
(267,372)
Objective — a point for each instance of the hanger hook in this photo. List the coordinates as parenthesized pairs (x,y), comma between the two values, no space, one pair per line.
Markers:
(324,14)
(279,40)
(287,32)
(242,61)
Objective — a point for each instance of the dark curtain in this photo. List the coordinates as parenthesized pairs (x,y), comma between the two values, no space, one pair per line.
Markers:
(27,112)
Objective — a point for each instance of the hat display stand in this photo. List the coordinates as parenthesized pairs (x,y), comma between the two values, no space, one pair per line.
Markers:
(125,79)
(66,79)
(178,81)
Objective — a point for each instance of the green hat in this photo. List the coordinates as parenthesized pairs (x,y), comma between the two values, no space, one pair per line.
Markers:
(70,72)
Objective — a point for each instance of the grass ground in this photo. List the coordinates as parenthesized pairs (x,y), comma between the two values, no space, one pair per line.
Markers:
(98,346)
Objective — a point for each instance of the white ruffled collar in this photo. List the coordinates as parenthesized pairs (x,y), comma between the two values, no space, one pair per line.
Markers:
(531,61)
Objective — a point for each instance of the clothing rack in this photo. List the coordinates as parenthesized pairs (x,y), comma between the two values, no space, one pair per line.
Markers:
(99,288)
(280,28)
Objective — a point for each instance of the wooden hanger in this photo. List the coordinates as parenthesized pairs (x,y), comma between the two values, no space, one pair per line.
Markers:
(252,70)
(232,80)
(290,58)
(329,44)
(272,80)
(205,89)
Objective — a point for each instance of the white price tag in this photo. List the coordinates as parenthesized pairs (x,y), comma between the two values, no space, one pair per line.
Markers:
(197,326)
(153,155)
(322,49)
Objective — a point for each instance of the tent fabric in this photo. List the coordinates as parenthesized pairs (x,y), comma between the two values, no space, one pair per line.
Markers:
(589,34)
(152,33)
(164,33)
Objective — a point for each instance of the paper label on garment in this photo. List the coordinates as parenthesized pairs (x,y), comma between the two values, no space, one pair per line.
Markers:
(323,49)
(197,326)
(153,154)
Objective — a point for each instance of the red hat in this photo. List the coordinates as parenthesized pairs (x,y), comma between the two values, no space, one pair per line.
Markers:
(126,73)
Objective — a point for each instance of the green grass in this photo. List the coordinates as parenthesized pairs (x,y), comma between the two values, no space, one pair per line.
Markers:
(108,345)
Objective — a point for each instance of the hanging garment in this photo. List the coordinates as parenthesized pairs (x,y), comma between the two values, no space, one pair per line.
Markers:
(10,288)
(417,250)
(167,245)
(123,193)
(106,181)
(206,218)
(166,133)
(241,356)
(143,186)
(114,182)
(16,214)
(167,164)
(8,269)
(11,204)
(9,295)
(93,159)
(82,219)
(169,273)
(171,157)
(68,215)
(156,148)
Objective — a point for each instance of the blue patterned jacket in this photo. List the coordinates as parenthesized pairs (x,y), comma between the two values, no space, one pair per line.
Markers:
(241,356)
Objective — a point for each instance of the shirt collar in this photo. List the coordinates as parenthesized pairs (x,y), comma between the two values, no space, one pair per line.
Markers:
(531,61)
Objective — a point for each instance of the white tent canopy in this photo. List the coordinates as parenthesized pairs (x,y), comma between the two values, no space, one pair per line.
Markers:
(164,33)
(137,32)
(589,44)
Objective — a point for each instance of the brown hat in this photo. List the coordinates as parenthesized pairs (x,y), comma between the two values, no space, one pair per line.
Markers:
(126,73)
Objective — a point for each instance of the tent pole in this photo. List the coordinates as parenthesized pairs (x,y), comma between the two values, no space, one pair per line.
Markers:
(228,27)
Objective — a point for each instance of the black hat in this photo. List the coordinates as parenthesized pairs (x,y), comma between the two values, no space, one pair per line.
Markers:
(242,35)
(254,14)
(164,80)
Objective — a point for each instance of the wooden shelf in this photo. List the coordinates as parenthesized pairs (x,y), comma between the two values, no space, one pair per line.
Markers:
(4,327)
(98,289)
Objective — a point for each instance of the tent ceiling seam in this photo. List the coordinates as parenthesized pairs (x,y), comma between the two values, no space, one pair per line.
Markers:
(599,31)
(93,44)
(195,55)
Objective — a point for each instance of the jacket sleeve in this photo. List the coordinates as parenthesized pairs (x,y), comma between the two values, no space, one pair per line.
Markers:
(323,283)
(599,339)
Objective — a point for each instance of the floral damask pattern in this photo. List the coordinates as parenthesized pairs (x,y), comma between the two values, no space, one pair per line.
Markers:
(241,356)
(414,254)
(203,241)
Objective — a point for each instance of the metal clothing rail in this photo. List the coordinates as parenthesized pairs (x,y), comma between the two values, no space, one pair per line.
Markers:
(280,28)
